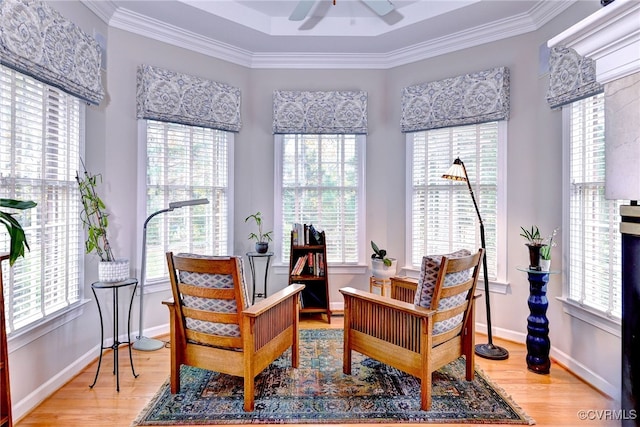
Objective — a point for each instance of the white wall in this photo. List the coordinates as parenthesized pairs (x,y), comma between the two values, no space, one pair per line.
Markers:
(533,176)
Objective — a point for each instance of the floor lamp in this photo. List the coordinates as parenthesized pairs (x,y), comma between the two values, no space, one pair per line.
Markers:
(457,172)
(142,342)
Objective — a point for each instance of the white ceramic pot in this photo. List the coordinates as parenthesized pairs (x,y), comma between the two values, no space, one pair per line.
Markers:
(381,271)
(113,271)
(545,264)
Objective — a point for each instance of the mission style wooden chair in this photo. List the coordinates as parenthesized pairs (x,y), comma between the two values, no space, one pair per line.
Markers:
(417,331)
(213,327)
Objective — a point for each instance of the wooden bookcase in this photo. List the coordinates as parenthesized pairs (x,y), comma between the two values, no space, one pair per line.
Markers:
(315,296)
(5,391)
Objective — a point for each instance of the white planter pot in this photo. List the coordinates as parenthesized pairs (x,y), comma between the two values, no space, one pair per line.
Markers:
(381,271)
(545,264)
(113,271)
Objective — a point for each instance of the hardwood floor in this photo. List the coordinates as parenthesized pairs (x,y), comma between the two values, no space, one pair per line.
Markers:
(551,400)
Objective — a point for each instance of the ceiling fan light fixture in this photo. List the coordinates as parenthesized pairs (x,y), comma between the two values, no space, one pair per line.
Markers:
(302,9)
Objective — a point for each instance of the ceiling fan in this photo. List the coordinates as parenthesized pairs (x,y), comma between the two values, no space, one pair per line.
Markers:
(381,7)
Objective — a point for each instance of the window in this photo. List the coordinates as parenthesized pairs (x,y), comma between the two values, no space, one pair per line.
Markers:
(320,182)
(40,147)
(185,163)
(594,275)
(442,215)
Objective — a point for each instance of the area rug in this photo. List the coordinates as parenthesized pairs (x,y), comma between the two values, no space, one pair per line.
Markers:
(319,393)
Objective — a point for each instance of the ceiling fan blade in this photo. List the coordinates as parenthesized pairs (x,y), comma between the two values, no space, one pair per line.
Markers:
(381,7)
(301,10)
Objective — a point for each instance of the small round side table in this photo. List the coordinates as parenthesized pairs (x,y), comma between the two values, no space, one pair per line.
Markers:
(252,256)
(115,287)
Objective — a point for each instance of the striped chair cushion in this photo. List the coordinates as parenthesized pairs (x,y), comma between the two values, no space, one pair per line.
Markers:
(427,283)
(217,281)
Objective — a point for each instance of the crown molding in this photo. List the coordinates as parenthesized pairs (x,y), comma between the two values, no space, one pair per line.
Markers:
(133,22)
(610,36)
(142,25)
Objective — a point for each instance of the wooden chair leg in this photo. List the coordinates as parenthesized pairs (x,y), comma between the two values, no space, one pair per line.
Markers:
(249,398)
(175,370)
(346,348)
(425,392)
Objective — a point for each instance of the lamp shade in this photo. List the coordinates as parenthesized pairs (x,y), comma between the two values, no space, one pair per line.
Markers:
(456,171)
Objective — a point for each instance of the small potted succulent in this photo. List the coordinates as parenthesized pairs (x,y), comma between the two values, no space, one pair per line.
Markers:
(382,266)
(262,238)
(545,251)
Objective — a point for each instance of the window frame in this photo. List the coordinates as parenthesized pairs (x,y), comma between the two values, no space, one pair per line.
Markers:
(35,329)
(571,307)
(161,285)
(281,266)
(499,284)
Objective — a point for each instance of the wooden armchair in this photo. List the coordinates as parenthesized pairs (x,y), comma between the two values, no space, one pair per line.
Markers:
(212,326)
(417,340)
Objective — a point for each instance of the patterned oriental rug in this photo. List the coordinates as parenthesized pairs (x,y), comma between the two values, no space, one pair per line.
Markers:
(319,393)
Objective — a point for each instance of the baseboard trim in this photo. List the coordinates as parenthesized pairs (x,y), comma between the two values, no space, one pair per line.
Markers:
(37,396)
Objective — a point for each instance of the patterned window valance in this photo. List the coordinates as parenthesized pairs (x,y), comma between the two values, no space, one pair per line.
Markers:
(169,96)
(36,40)
(472,98)
(571,77)
(320,112)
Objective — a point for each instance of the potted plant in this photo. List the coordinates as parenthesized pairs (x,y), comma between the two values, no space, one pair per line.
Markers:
(17,238)
(535,243)
(382,267)
(262,238)
(95,221)
(545,251)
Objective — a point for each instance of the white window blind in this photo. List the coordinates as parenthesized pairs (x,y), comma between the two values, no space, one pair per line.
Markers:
(40,145)
(321,184)
(594,238)
(185,163)
(443,218)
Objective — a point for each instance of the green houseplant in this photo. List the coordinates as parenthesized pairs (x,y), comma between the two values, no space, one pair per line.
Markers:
(18,240)
(535,243)
(262,238)
(96,221)
(545,251)
(382,266)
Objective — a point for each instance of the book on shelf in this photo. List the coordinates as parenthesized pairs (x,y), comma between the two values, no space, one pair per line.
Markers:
(304,234)
(299,265)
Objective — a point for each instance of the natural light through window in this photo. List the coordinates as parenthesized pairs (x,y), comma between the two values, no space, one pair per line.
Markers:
(320,182)
(40,148)
(186,163)
(442,216)
(594,238)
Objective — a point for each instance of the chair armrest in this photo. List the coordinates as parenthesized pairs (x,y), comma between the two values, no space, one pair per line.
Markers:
(388,302)
(169,302)
(273,300)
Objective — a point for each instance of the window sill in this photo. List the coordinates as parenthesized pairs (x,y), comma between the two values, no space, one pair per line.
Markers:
(23,337)
(591,316)
(156,286)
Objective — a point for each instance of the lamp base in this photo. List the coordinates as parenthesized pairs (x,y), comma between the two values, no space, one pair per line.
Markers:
(490,351)
(147,344)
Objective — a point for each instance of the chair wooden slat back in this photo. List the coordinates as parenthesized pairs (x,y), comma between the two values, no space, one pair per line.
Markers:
(209,291)
(458,296)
